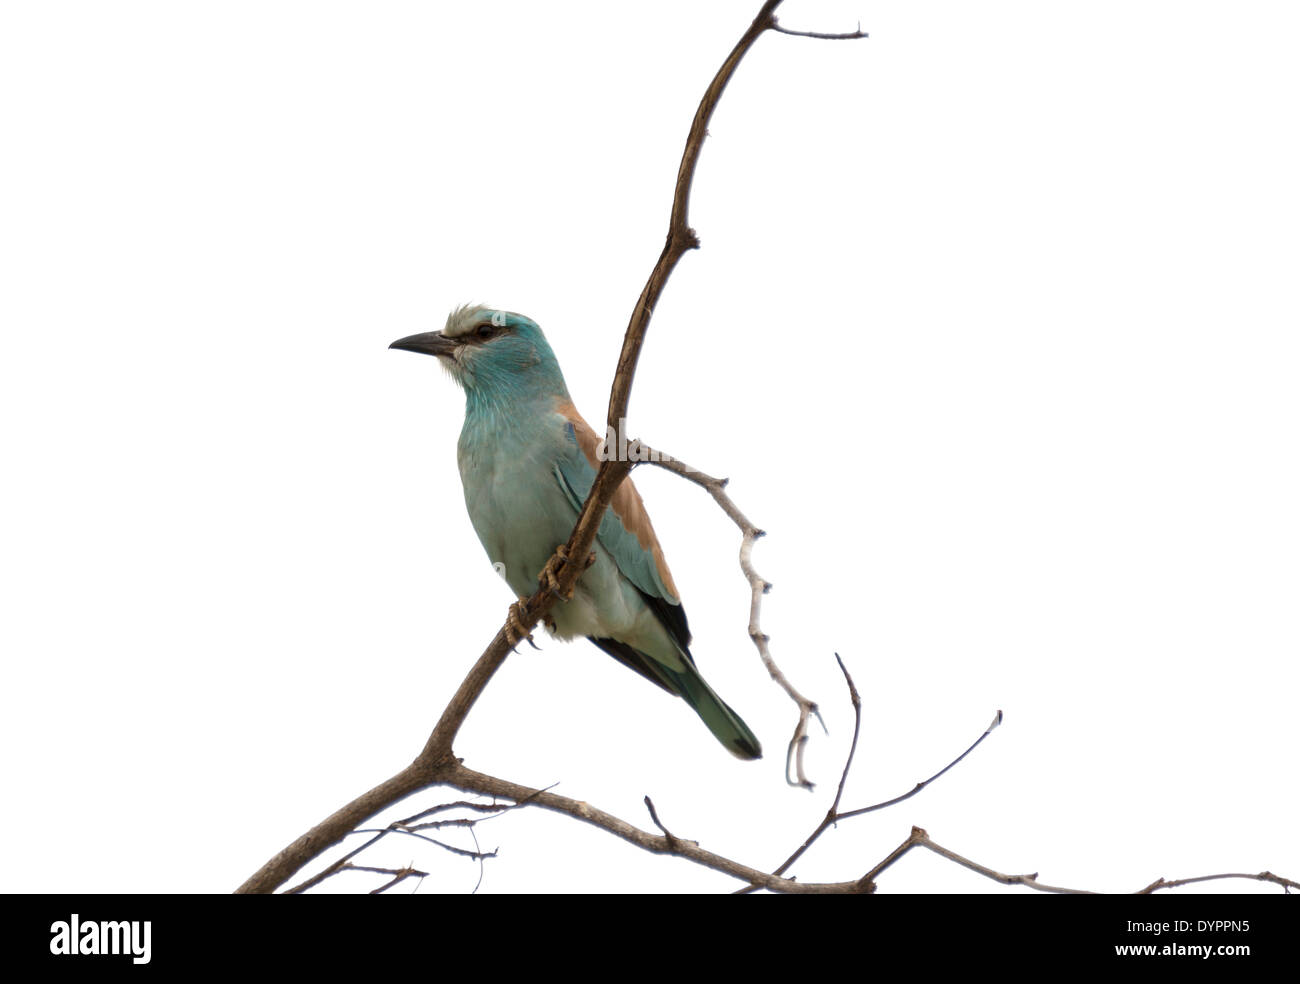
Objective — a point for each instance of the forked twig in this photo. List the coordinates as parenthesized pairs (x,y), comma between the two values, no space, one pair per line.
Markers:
(833,815)
(997,720)
(919,838)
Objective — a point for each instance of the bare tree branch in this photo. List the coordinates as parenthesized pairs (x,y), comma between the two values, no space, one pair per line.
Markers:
(664,843)
(833,815)
(436,762)
(672,844)
(997,720)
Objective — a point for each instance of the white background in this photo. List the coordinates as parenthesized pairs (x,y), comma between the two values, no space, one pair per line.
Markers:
(994,330)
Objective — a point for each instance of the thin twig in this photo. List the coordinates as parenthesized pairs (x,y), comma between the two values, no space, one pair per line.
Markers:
(1268,876)
(458,805)
(340,865)
(1029,881)
(481,866)
(495,809)
(399,875)
(396,827)
(856,701)
(832,815)
(408,832)
(919,838)
(440,824)
(997,720)
(654,816)
(848,36)
(641,452)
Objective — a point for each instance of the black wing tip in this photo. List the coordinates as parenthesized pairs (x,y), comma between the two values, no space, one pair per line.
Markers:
(672,616)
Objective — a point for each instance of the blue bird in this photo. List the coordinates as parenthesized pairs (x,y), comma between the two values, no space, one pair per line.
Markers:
(527,461)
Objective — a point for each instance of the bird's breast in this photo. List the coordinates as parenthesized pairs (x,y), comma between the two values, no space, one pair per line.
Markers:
(514,502)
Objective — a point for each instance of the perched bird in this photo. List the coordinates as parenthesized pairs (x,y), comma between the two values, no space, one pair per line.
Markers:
(527,461)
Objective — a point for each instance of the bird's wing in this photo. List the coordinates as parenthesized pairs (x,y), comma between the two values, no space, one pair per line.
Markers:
(625,530)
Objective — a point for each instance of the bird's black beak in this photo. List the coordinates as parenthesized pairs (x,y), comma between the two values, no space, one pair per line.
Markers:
(427,343)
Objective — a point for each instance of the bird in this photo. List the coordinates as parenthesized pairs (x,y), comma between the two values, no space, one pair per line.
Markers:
(527,460)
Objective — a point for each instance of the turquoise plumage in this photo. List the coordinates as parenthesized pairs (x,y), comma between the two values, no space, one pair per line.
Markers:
(527,461)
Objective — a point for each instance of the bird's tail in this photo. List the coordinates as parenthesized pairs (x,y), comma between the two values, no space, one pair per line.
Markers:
(687,683)
(726,725)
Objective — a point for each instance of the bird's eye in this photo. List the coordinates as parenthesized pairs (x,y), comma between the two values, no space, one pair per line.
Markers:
(486,331)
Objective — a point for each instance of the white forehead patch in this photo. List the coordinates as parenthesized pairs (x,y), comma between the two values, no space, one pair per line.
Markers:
(465,319)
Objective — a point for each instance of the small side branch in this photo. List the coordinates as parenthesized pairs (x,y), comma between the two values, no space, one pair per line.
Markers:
(409,828)
(1266,876)
(654,817)
(997,720)
(847,36)
(758,586)
(399,875)
(919,838)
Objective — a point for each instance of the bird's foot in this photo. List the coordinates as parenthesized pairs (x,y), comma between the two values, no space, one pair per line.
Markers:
(550,579)
(515,631)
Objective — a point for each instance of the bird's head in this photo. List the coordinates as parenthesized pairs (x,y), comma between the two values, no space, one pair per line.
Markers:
(491,353)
